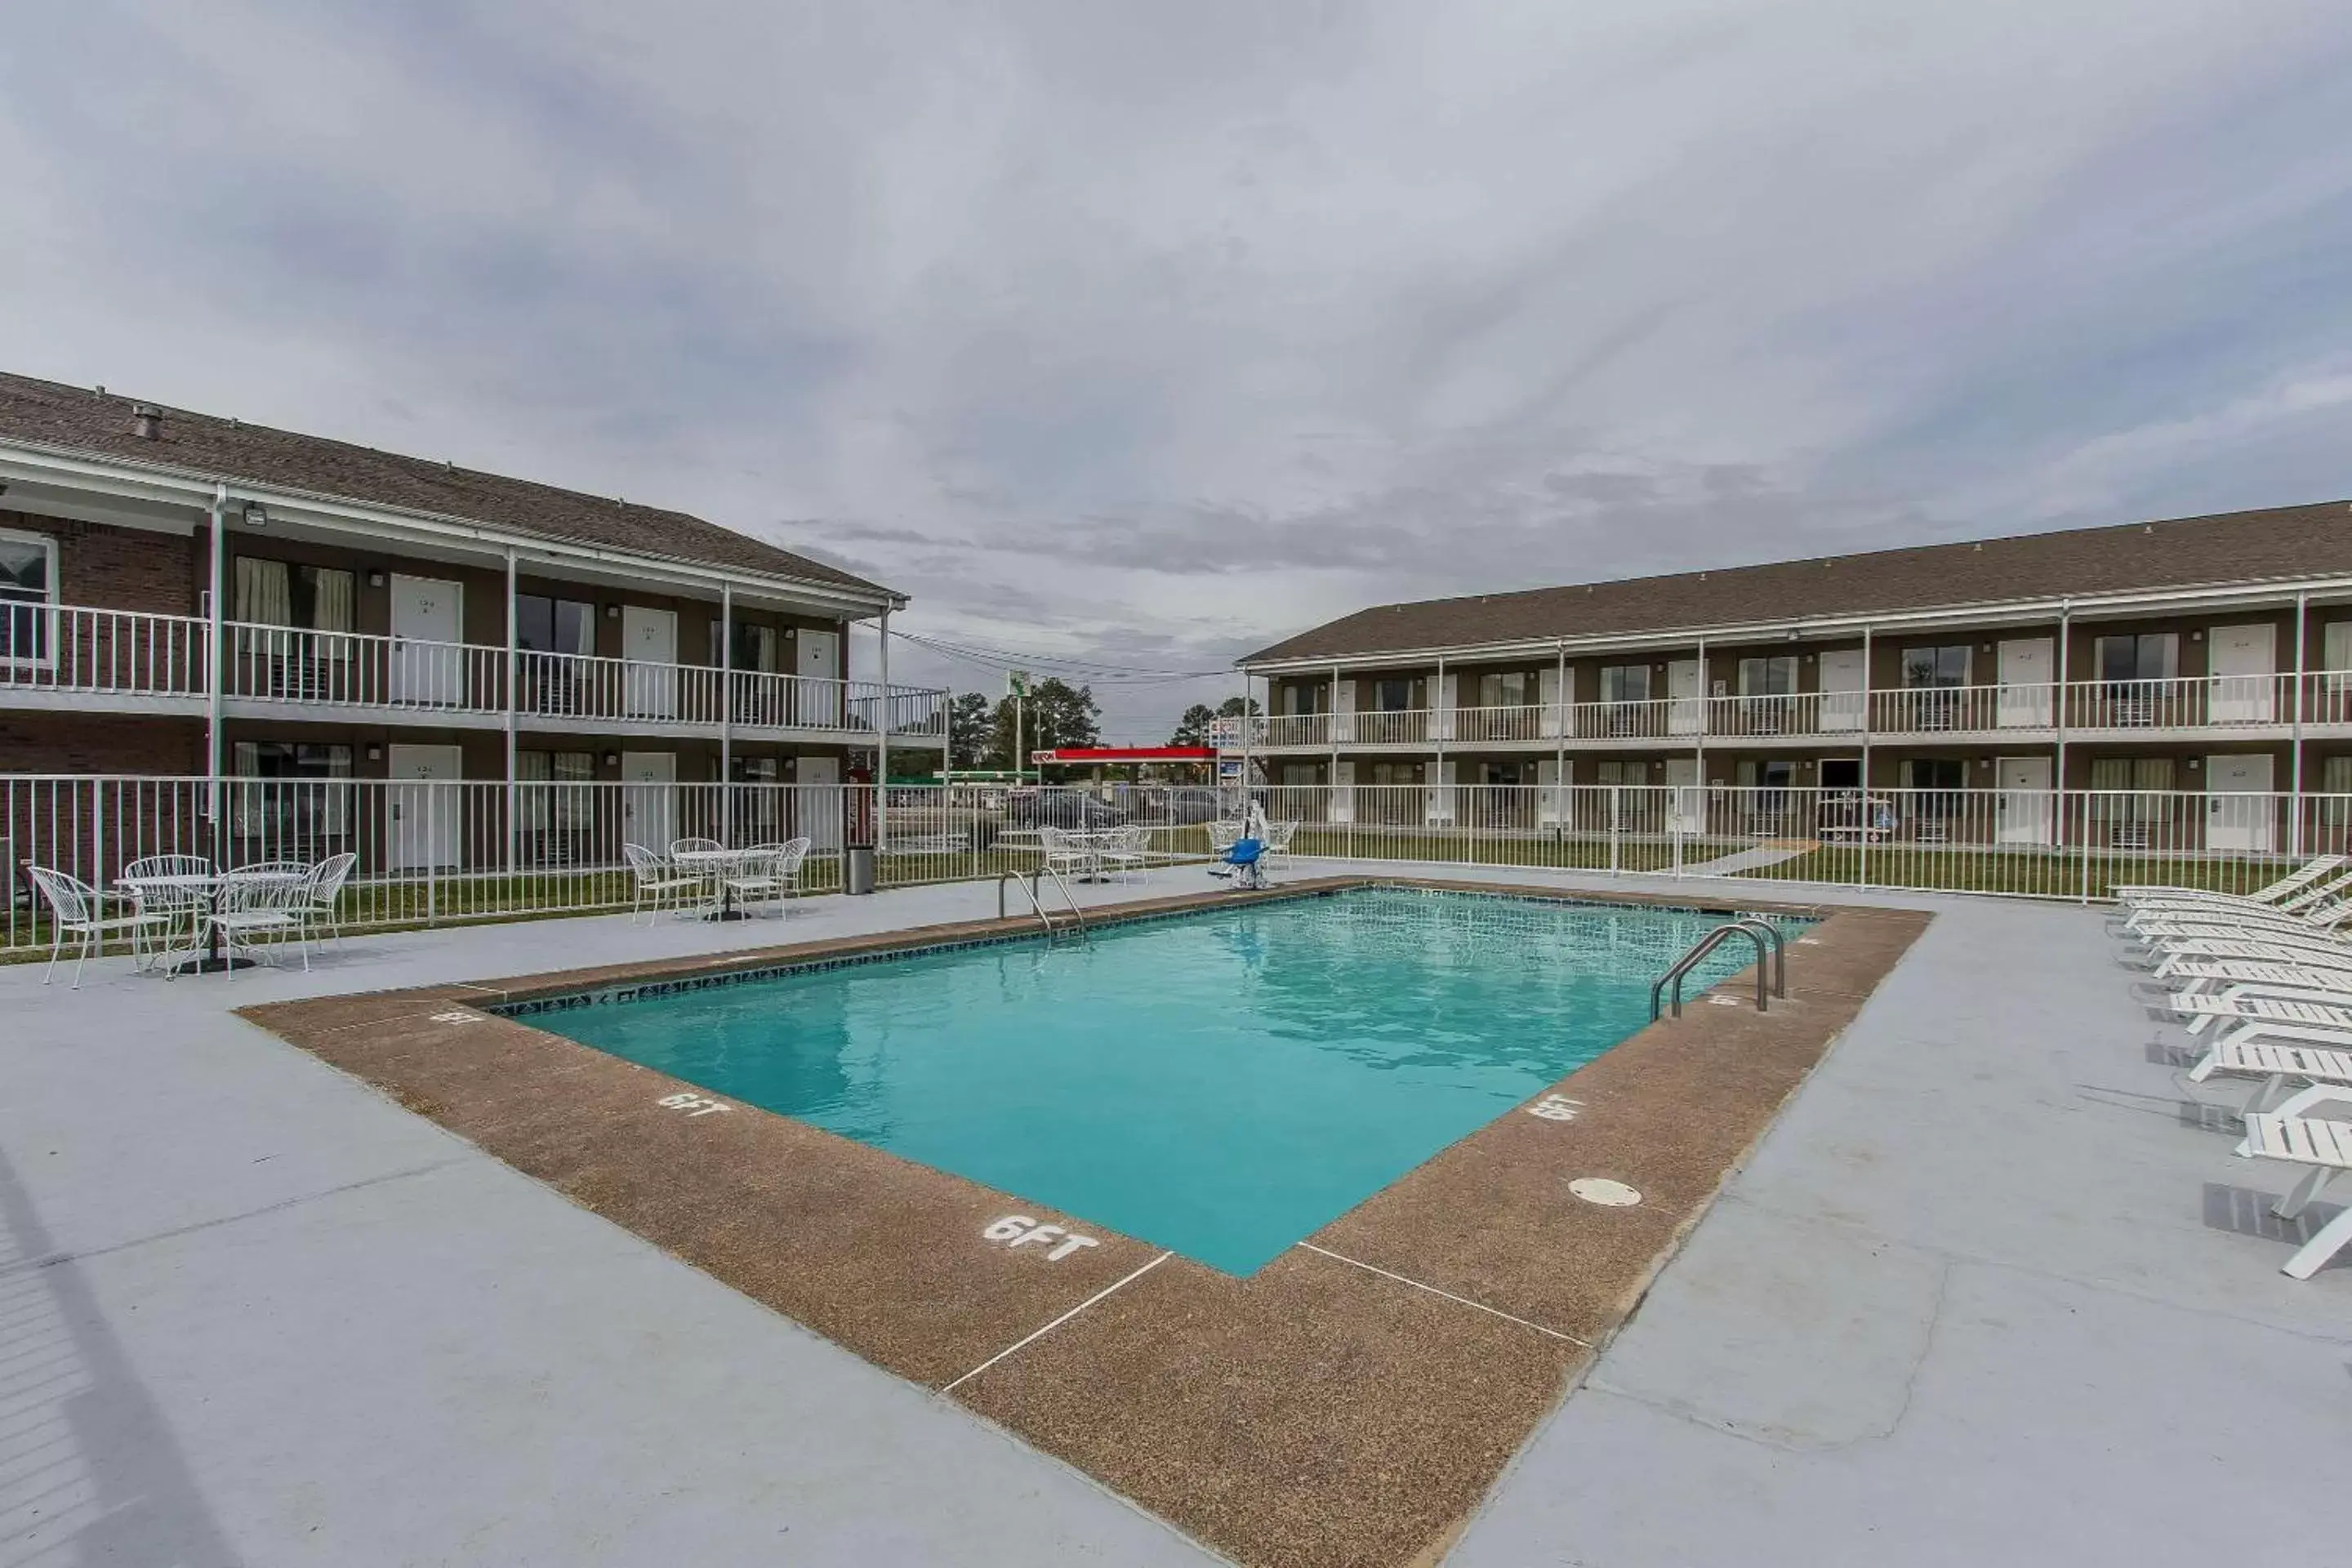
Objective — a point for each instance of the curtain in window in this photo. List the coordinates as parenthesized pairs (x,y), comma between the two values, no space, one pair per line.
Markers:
(265,593)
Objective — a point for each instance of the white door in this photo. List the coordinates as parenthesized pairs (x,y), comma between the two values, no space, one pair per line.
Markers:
(2026,806)
(819,687)
(1343,789)
(1343,714)
(650,675)
(819,796)
(428,667)
(1685,802)
(1841,689)
(426,806)
(1437,800)
(1683,718)
(2238,806)
(2025,688)
(2243,659)
(649,799)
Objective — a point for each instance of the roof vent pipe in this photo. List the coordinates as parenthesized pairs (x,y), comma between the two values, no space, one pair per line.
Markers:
(146,422)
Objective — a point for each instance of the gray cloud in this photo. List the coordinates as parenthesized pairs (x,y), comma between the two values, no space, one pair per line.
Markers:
(1150,334)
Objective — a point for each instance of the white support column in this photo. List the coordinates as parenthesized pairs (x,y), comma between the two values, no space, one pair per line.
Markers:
(1705,716)
(727,711)
(1864,819)
(882,743)
(2294,769)
(216,646)
(2058,764)
(1560,795)
(514,669)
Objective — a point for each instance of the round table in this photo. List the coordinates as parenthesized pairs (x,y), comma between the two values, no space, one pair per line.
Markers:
(715,863)
(203,888)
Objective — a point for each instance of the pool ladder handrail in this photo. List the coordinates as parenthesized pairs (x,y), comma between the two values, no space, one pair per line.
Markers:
(1031,884)
(1756,929)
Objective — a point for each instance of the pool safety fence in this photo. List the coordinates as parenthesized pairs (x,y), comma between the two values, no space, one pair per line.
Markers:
(436,852)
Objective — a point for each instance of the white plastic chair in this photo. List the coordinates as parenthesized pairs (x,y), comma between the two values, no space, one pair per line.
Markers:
(658,884)
(767,874)
(77,909)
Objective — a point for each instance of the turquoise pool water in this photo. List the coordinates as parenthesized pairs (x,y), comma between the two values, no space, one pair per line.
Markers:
(1222,1085)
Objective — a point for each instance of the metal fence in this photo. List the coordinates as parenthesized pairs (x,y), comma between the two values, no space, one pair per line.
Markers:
(434,853)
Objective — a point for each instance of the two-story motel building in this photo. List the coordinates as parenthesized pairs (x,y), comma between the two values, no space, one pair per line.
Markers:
(186,594)
(2207,654)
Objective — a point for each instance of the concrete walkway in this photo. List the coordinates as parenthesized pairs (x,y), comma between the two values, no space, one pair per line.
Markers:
(1987,1293)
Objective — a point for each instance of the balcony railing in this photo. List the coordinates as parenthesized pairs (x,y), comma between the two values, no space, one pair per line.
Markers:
(2197,702)
(126,653)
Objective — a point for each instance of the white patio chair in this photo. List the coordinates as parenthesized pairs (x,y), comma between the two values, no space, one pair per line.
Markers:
(2325,1150)
(323,890)
(1223,836)
(1125,853)
(767,874)
(678,847)
(78,910)
(1066,854)
(1277,844)
(658,885)
(257,912)
(179,888)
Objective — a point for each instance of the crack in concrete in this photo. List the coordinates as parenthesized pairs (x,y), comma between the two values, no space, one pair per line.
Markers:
(51,1259)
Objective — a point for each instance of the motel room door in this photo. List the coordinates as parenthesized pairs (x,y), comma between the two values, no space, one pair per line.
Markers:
(2239,806)
(426,806)
(649,799)
(2024,698)
(1841,689)
(819,799)
(819,687)
(428,667)
(649,667)
(1687,802)
(1684,715)
(2243,661)
(2025,803)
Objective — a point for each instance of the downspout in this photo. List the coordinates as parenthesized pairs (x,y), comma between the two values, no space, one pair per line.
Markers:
(727,712)
(215,646)
(514,669)
(2294,769)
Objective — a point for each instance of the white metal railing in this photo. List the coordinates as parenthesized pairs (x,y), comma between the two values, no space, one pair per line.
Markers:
(591,686)
(1303,730)
(436,852)
(1523,722)
(2188,702)
(58,648)
(359,669)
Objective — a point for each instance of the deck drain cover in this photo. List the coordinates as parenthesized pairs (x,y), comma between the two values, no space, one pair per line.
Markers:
(1602,1189)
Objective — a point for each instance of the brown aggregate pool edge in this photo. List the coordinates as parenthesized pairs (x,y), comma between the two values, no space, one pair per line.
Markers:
(1351,1403)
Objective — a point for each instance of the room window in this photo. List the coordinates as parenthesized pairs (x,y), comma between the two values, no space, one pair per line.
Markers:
(28,586)
(562,794)
(1926,667)
(292,798)
(1508,689)
(1297,775)
(1772,677)
(1300,700)
(1936,784)
(1393,695)
(2122,788)
(758,648)
(545,625)
(1624,683)
(2144,655)
(2336,783)
(288,593)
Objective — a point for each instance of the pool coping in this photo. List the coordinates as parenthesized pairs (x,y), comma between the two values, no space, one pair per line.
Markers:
(1352,1402)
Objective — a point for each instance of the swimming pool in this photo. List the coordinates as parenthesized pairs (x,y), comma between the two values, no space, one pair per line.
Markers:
(1221,1084)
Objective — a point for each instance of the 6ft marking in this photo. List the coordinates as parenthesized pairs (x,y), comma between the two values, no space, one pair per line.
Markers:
(692,1104)
(1018,1230)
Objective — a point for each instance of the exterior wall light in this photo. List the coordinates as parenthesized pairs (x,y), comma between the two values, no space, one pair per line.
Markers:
(256,515)
(375,579)
(612,612)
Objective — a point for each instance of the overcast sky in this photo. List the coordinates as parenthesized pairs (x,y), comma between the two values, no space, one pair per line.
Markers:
(1150,334)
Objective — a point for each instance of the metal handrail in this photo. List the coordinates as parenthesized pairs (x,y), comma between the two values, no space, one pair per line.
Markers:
(1031,883)
(1755,929)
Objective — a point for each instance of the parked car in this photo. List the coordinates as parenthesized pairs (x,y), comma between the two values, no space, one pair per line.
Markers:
(1062,808)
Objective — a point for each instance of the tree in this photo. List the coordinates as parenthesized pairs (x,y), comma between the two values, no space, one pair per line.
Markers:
(969,724)
(1055,715)
(1193,729)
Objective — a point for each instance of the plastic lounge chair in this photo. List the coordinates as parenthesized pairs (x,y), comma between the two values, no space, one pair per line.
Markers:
(256,912)
(2275,1064)
(78,910)
(2195,959)
(2312,872)
(658,884)
(2273,1018)
(2324,1149)
(2223,906)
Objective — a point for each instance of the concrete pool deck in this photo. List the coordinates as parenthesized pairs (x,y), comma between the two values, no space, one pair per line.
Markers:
(1984,1293)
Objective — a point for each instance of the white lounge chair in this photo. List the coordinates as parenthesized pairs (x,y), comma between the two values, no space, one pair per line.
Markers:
(658,885)
(78,910)
(2275,1064)
(2303,876)
(2274,1019)
(2225,905)
(2325,1150)
(2196,958)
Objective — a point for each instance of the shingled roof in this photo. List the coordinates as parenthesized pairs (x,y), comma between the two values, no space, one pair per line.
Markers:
(84,420)
(2231,548)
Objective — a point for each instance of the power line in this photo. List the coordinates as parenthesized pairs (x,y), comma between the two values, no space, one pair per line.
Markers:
(1094,669)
